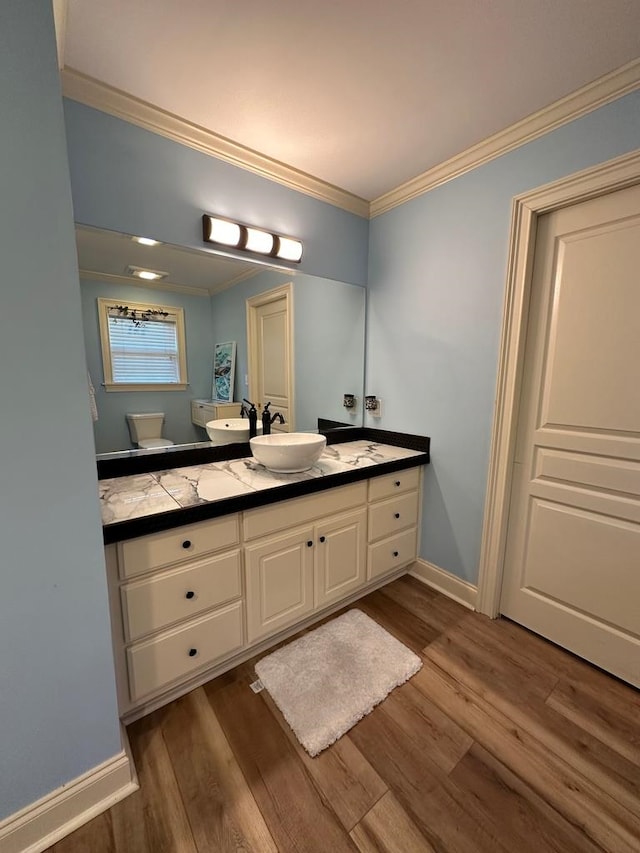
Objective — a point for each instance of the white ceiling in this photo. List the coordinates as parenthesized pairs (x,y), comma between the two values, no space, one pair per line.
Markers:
(362,94)
(108,255)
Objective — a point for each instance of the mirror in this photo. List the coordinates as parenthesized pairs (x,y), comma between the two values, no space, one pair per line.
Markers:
(212,289)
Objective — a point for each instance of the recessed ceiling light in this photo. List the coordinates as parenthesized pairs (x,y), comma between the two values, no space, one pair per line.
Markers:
(147,275)
(145,241)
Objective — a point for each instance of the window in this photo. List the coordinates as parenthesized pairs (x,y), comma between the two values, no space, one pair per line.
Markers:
(143,346)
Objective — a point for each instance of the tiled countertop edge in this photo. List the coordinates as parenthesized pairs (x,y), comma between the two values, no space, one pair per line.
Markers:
(132,528)
(381,436)
(144,464)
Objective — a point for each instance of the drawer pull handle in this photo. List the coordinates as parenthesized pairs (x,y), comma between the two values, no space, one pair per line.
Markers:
(397,515)
(309,543)
(186,543)
(189,594)
(397,483)
(395,553)
(323,538)
(193,653)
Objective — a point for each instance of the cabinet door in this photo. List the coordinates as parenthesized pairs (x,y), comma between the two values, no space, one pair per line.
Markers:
(279,582)
(341,545)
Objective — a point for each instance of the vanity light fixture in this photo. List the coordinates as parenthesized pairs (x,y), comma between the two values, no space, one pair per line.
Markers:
(250,239)
(145,241)
(146,275)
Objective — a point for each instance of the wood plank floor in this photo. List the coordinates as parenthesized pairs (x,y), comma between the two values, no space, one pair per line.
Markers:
(502,742)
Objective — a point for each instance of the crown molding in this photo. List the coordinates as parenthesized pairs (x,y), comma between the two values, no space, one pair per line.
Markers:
(608,88)
(91,92)
(87,90)
(60,10)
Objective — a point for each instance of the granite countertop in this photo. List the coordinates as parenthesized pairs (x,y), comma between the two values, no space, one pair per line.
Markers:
(144,503)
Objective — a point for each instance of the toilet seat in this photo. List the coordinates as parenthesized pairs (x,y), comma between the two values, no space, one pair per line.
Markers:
(148,443)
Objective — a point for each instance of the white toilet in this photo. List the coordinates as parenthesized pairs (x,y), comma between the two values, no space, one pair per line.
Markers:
(145,430)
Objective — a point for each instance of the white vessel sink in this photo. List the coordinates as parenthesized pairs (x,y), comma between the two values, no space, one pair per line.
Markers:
(229,430)
(288,453)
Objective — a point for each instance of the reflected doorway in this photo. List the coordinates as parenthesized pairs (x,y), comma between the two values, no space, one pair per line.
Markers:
(270,348)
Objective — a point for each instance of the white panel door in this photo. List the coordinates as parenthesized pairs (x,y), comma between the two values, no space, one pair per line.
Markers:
(572,562)
(270,358)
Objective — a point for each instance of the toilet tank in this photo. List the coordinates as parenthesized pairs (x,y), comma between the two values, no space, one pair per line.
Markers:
(145,425)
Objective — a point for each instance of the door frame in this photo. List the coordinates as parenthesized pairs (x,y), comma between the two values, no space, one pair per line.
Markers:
(526,208)
(257,301)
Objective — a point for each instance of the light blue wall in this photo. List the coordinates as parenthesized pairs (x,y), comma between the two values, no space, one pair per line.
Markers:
(229,314)
(58,715)
(437,269)
(329,328)
(127,179)
(110,430)
(329,349)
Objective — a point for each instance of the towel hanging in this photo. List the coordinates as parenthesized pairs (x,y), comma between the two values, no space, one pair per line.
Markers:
(92,399)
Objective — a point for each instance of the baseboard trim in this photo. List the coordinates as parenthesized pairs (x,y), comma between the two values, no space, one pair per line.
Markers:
(446,583)
(43,823)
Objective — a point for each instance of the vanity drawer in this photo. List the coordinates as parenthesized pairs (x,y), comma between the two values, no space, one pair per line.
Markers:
(138,556)
(175,654)
(391,484)
(391,553)
(387,517)
(151,604)
(286,514)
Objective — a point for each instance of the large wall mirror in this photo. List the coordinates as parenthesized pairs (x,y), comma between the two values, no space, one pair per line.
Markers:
(328,325)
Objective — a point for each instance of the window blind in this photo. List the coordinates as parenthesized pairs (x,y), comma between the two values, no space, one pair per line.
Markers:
(145,353)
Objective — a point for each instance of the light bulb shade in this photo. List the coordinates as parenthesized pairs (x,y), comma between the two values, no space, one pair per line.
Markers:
(259,241)
(288,249)
(221,231)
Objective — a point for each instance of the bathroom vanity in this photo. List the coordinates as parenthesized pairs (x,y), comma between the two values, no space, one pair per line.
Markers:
(245,557)
(203,411)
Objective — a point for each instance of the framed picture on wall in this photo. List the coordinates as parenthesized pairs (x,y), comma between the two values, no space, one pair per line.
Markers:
(224,368)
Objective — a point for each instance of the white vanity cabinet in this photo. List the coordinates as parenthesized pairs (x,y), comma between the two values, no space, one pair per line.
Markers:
(203,411)
(294,572)
(189,603)
(177,605)
(394,503)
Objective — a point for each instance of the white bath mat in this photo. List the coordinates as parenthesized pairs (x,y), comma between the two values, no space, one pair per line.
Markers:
(330,678)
